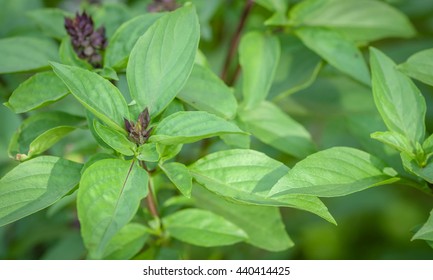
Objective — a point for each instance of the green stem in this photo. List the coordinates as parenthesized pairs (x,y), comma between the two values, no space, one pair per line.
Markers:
(151,203)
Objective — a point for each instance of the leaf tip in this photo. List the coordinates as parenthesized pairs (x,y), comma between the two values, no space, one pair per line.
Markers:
(53,63)
(373,51)
(329,218)
(188,4)
(8,105)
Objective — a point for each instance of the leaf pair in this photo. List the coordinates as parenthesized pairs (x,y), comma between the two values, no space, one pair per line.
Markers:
(226,223)
(259,58)
(333,28)
(403,110)
(41,131)
(109,196)
(419,66)
(250,177)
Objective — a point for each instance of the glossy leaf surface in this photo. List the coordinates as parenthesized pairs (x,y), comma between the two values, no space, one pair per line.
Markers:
(162,59)
(395,95)
(35,185)
(258,56)
(191,126)
(203,228)
(39,90)
(334,172)
(18,54)
(97,94)
(109,195)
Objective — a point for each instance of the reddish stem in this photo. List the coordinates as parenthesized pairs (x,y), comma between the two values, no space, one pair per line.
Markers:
(235,40)
(151,205)
(150,199)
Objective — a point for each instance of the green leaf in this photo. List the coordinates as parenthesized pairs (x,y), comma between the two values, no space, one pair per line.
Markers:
(50,21)
(394,140)
(279,7)
(334,172)
(337,51)
(167,152)
(258,55)
(116,140)
(206,10)
(191,126)
(178,200)
(174,107)
(12,20)
(428,145)
(162,59)
(179,175)
(19,54)
(201,60)
(127,242)
(204,89)
(412,165)
(419,66)
(67,247)
(242,141)
(277,19)
(7,133)
(247,176)
(97,94)
(360,20)
(95,158)
(272,126)
(426,231)
(38,124)
(37,91)
(35,185)
(273,5)
(263,225)
(111,16)
(202,228)
(395,95)
(47,139)
(124,39)
(69,57)
(107,73)
(91,125)
(108,198)
(297,69)
(65,201)
(148,152)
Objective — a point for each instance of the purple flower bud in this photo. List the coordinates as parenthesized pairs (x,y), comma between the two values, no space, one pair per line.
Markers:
(138,132)
(88,51)
(144,118)
(87,30)
(98,38)
(128,125)
(87,43)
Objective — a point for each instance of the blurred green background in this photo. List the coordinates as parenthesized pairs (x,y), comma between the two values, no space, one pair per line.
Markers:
(375,224)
